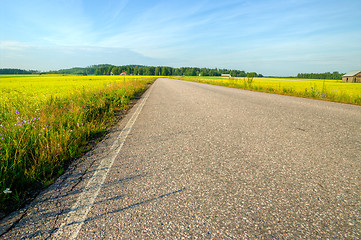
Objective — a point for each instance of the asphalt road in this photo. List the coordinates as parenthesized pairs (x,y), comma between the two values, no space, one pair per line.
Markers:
(199,161)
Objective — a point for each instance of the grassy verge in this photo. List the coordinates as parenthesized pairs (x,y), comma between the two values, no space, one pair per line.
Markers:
(330,90)
(40,135)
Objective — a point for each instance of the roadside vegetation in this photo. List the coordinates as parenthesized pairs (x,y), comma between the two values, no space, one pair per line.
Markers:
(45,121)
(330,90)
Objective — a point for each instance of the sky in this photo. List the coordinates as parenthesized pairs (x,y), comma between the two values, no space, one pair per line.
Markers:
(271,37)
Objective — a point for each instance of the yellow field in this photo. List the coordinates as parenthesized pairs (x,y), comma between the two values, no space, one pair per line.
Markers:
(331,90)
(300,85)
(47,120)
(39,88)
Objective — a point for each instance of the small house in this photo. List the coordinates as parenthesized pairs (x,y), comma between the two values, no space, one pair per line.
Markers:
(226,75)
(352,77)
(124,73)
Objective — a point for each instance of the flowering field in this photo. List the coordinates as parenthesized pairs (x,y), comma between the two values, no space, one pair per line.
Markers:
(331,90)
(47,120)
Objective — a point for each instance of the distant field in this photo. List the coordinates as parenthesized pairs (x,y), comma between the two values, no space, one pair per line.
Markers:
(331,90)
(47,120)
(35,89)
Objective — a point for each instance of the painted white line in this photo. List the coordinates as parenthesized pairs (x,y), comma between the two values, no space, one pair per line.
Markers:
(73,222)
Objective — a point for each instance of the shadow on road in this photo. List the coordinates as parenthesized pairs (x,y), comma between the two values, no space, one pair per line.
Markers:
(118,210)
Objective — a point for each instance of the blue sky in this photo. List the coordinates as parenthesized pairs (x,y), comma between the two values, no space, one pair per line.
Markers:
(273,37)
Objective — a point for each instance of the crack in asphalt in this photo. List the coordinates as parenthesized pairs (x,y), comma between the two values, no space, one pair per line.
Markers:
(60,186)
(80,179)
(15,223)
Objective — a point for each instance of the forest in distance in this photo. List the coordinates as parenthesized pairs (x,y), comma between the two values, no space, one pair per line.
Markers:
(108,69)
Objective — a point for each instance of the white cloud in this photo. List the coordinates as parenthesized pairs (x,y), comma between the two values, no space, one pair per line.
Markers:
(13,45)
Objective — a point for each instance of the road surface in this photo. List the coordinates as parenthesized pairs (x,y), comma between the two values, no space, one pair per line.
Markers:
(200,161)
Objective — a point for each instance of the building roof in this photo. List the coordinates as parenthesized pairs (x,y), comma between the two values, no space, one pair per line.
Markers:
(352,73)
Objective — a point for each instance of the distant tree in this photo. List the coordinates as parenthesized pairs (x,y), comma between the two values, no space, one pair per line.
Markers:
(152,71)
(108,70)
(212,72)
(157,71)
(170,71)
(128,70)
(101,71)
(204,72)
(141,71)
(115,70)
(177,72)
(165,71)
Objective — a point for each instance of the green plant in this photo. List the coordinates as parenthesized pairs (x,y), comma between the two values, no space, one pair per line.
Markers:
(38,138)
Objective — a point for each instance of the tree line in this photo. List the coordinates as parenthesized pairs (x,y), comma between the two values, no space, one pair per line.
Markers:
(326,75)
(168,71)
(108,69)
(90,70)
(17,71)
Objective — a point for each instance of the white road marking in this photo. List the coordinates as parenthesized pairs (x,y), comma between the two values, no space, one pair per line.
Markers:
(78,213)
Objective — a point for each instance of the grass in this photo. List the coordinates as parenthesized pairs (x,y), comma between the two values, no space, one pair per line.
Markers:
(330,90)
(45,121)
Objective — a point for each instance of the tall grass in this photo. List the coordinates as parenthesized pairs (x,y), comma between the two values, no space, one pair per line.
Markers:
(330,90)
(38,139)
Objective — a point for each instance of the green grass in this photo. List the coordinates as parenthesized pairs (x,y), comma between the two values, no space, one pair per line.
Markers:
(330,90)
(46,121)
